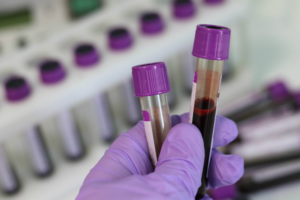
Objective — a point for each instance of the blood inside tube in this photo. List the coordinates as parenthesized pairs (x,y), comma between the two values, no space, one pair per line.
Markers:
(160,130)
(204,112)
(204,119)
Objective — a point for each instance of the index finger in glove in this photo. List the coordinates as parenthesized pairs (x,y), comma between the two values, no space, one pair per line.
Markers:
(181,158)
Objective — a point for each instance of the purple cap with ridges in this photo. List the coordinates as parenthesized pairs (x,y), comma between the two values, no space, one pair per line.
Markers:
(151,23)
(86,55)
(212,42)
(183,9)
(119,39)
(225,192)
(150,79)
(213,1)
(16,88)
(51,71)
(278,91)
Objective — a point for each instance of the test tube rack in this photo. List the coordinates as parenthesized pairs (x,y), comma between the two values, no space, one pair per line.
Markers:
(81,85)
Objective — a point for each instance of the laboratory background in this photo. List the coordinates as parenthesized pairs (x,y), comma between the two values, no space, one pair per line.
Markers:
(67,92)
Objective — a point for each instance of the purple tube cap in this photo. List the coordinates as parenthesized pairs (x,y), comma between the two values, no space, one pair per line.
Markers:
(16,88)
(151,23)
(213,2)
(278,91)
(150,79)
(51,72)
(86,55)
(183,9)
(119,39)
(229,191)
(212,42)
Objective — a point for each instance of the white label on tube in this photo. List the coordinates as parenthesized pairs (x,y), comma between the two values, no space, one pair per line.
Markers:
(37,151)
(276,171)
(69,134)
(286,143)
(105,117)
(7,179)
(193,98)
(149,136)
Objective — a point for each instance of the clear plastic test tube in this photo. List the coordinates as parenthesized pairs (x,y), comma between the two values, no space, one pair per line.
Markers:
(183,10)
(86,56)
(211,48)
(275,97)
(9,182)
(154,103)
(17,89)
(120,40)
(266,129)
(52,73)
(151,25)
(270,150)
(268,176)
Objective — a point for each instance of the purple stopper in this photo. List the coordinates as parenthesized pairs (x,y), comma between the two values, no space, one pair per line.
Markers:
(119,39)
(278,91)
(183,9)
(213,1)
(212,42)
(151,23)
(86,55)
(150,79)
(226,192)
(51,71)
(16,88)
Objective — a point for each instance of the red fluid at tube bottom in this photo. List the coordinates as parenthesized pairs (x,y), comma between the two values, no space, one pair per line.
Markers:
(204,119)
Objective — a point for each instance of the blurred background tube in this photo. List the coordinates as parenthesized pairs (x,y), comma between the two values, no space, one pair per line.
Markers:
(18,89)
(52,73)
(86,56)
(8,179)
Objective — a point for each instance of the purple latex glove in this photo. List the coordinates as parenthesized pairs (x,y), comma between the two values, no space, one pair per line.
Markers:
(125,170)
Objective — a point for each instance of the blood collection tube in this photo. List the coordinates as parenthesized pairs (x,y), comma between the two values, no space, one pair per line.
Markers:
(153,96)
(287,120)
(52,72)
(18,89)
(269,176)
(211,48)
(270,150)
(120,40)
(275,97)
(184,10)
(86,56)
(152,24)
(8,180)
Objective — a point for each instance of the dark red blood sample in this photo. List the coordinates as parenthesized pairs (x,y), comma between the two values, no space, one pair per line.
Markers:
(204,119)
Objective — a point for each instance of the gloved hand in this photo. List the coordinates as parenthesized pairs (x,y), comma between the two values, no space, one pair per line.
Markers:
(125,170)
